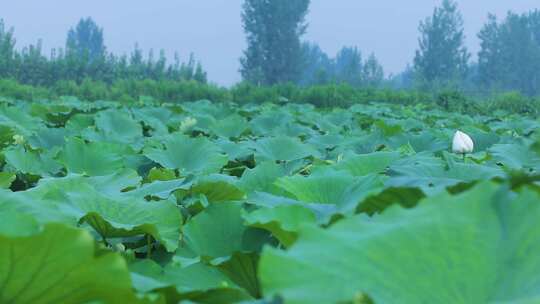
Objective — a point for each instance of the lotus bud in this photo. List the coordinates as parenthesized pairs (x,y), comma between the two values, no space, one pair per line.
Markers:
(19,139)
(187,124)
(462,143)
(120,247)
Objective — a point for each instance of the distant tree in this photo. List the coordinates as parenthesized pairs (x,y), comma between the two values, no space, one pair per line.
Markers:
(273,30)
(509,58)
(7,50)
(372,72)
(402,80)
(86,40)
(489,56)
(136,63)
(200,74)
(85,59)
(348,66)
(442,57)
(318,67)
(33,66)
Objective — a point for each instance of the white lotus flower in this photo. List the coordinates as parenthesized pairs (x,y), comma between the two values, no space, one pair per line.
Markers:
(19,139)
(462,143)
(187,124)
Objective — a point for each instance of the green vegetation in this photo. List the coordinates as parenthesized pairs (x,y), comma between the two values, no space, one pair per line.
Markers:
(84,58)
(442,58)
(273,31)
(206,202)
(125,179)
(321,96)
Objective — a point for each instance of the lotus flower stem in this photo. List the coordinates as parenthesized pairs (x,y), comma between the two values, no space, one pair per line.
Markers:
(149,246)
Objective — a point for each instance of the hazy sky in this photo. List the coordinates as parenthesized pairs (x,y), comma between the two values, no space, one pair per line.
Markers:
(212,28)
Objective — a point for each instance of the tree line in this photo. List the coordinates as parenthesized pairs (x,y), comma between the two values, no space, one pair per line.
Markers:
(85,57)
(509,58)
(276,54)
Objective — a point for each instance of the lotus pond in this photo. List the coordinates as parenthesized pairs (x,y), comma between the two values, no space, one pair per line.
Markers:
(219,203)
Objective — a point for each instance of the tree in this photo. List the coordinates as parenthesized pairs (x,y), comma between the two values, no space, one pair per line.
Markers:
(200,74)
(273,30)
(509,58)
(402,80)
(7,50)
(372,72)
(489,56)
(85,59)
(86,40)
(33,66)
(318,67)
(442,57)
(348,66)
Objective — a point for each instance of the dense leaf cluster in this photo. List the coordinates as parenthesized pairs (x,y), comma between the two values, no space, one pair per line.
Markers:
(219,203)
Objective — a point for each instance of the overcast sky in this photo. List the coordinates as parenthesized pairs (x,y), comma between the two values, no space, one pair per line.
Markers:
(212,28)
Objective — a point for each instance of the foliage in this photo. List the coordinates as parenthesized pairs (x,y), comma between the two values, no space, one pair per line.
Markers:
(346,68)
(200,202)
(85,58)
(441,58)
(509,57)
(318,66)
(324,96)
(85,41)
(273,30)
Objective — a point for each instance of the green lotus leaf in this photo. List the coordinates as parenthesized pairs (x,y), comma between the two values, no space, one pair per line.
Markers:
(282,221)
(433,178)
(189,155)
(74,200)
(46,211)
(261,178)
(229,127)
(424,141)
(326,141)
(161,174)
(90,158)
(48,138)
(116,217)
(118,126)
(475,247)
(269,123)
(235,150)
(241,268)
(113,184)
(336,188)
(79,122)
(388,129)
(282,148)
(406,197)
(197,282)
(21,121)
(6,135)
(154,117)
(17,224)
(218,188)
(218,231)
(323,212)
(159,189)
(6,178)
(364,164)
(31,161)
(516,156)
(61,265)
(55,114)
